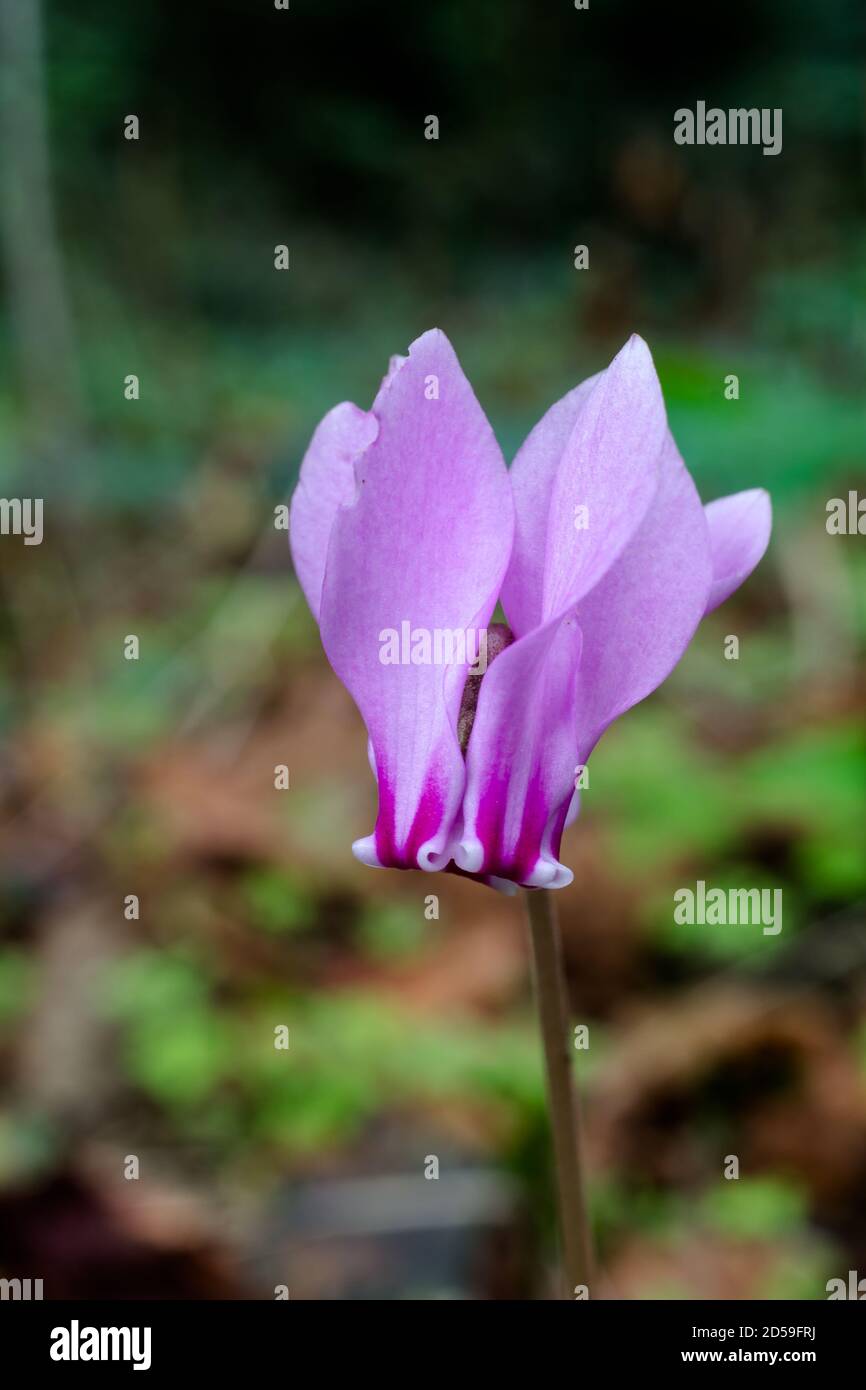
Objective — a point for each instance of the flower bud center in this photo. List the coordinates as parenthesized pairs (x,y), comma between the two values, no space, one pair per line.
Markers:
(499,636)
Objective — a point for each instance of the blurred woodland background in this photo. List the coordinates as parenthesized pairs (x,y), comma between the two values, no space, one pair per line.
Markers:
(408,1038)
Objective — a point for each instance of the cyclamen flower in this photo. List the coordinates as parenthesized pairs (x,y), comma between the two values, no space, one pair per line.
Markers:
(406,519)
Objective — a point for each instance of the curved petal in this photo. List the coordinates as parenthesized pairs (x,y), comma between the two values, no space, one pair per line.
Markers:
(420,551)
(326,482)
(546,700)
(740,527)
(639,619)
(582,484)
(520,764)
(533,474)
(586,484)
(395,362)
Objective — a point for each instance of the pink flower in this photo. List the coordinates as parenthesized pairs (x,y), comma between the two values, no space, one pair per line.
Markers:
(406,527)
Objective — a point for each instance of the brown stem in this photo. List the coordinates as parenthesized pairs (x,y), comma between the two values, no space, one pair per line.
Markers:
(562,1096)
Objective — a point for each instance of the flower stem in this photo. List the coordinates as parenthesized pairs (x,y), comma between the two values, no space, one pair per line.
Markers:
(562,1096)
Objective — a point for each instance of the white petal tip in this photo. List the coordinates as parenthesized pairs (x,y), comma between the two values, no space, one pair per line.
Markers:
(549,873)
(431,857)
(365,851)
(469,855)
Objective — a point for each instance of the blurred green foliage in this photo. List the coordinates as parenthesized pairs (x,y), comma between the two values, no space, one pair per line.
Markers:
(349,1055)
(17,981)
(754,1207)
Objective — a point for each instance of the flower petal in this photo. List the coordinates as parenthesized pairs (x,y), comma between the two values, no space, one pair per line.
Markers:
(424,544)
(326,481)
(740,527)
(546,700)
(533,474)
(582,484)
(639,619)
(520,763)
(601,448)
